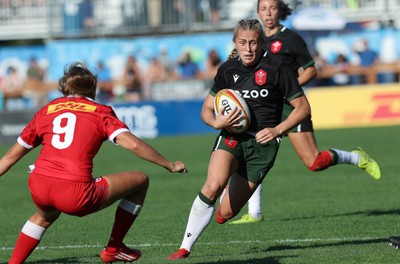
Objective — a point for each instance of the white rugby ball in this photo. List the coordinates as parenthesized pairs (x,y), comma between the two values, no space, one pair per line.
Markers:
(231,99)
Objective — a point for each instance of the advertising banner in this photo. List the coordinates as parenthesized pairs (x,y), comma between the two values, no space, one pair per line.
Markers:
(331,108)
(145,120)
(355,106)
(153,119)
(12,124)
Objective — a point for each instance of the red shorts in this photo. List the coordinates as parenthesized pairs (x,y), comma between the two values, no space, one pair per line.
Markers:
(70,197)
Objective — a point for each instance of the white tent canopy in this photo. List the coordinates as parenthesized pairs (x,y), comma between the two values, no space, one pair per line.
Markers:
(315,18)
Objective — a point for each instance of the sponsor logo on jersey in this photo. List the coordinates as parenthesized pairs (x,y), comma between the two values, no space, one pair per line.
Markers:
(254,93)
(276,46)
(260,77)
(71,106)
(235,77)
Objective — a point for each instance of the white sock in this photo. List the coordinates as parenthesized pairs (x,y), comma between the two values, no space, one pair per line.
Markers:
(254,203)
(199,218)
(130,207)
(33,230)
(347,157)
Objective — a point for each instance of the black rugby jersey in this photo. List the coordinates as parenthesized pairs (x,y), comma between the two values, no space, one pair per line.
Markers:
(291,46)
(263,86)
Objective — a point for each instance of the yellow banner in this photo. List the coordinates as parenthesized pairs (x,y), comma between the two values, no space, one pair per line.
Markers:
(355,106)
(71,106)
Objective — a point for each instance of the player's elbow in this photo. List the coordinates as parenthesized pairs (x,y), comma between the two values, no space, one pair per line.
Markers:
(313,72)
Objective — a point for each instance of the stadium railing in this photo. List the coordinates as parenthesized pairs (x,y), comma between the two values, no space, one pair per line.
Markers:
(54,19)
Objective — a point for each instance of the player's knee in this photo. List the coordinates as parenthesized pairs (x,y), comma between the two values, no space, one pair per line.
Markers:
(45,218)
(142,179)
(322,162)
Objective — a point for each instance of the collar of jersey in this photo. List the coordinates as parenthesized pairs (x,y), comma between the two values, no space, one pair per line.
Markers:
(70,96)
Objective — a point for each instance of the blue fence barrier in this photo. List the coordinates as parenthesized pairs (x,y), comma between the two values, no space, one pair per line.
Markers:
(153,119)
(145,120)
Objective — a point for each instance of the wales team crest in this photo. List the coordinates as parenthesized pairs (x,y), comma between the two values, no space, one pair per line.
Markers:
(260,77)
(276,46)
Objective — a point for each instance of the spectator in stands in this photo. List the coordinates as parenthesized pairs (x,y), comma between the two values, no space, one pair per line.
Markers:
(366,58)
(155,73)
(173,11)
(134,12)
(34,86)
(341,77)
(104,84)
(12,85)
(320,64)
(35,72)
(132,80)
(207,11)
(188,68)
(87,14)
(212,63)
(214,6)
(78,16)
(165,60)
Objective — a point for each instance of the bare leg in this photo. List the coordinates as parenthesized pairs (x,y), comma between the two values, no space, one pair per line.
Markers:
(131,188)
(306,146)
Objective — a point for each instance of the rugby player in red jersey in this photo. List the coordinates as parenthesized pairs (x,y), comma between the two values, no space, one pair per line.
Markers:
(71,130)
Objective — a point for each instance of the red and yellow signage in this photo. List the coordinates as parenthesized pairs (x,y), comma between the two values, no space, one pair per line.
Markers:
(355,106)
(71,106)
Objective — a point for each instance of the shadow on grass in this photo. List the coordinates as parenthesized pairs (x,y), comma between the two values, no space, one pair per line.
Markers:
(58,261)
(276,259)
(340,243)
(376,212)
(372,213)
(269,260)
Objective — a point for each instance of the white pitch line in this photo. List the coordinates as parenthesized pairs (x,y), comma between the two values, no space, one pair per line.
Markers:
(208,243)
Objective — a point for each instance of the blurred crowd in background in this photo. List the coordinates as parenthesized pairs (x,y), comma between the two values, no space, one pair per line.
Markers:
(358,63)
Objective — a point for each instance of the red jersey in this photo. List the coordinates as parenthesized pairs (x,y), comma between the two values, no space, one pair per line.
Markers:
(71,130)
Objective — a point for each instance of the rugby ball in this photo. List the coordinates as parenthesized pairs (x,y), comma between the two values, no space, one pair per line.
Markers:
(231,99)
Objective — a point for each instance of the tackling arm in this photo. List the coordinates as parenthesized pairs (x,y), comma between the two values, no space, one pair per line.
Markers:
(14,154)
(128,141)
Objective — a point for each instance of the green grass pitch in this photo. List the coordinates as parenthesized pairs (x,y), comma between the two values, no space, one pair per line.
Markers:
(340,215)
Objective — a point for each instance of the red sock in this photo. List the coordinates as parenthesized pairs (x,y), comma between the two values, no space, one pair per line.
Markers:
(23,248)
(323,161)
(218,217)
(123,221)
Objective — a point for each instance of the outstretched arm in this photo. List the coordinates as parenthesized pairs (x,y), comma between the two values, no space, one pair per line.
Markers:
(143,150)
(14,154)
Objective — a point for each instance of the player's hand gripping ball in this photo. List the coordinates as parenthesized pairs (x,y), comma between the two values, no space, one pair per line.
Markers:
(231,99)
